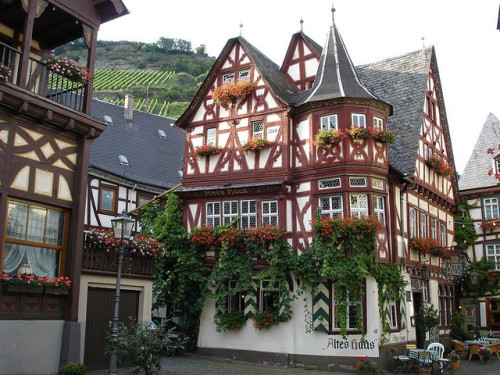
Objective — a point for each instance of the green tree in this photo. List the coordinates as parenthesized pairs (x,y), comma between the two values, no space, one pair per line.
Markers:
(201,50)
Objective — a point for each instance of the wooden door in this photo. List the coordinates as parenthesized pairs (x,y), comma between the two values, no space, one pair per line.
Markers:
(100,308)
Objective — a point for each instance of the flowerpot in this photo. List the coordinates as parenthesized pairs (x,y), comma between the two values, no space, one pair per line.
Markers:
(56,291)
(23,289)
(454,365)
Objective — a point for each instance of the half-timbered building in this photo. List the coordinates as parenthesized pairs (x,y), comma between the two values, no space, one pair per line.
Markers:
(46,130)
(479,187)
(295,175)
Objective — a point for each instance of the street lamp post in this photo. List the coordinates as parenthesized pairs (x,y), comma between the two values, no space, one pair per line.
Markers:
(474,278)
(122,229)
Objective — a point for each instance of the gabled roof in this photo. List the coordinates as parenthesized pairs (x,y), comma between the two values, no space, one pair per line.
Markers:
(402,82)
(152,160)
(269,71)
(336,76)
(315,47)
(475,175)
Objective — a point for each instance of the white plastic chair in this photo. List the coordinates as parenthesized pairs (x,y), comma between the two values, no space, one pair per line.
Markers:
(438,350)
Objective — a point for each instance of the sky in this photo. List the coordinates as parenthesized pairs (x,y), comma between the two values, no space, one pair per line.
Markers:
(463,33)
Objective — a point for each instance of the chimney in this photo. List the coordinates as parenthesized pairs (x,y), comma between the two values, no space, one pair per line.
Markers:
(128,111)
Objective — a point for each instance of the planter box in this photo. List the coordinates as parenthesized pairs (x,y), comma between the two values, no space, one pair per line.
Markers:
(23,289)
(57,291)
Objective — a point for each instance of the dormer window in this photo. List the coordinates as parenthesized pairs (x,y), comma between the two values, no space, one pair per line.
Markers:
(108,120)
(123,160)
(496,162)
(358,120)
(162,134)
(228,78)
(329,122)
(378,123)
(244,75)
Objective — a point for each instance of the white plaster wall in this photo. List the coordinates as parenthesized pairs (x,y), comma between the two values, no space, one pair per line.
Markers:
(145,287)
(30,346)
(311,67)
(294,72)
(200,114)
(291,337)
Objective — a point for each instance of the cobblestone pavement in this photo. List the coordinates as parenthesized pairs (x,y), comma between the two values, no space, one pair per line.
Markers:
(198,365)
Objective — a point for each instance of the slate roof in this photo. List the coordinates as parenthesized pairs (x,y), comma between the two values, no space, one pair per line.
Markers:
(401,81)
(475,175)
(152,161)
(336,76)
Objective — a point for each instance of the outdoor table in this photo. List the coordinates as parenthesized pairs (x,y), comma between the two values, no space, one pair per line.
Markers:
(484,343)
(413,354)
(492,340)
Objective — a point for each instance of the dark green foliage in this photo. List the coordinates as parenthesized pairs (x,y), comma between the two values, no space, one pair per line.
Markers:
(73,369)
(486,285)
(181,277)
(426,317)
(142,346)
(465,231)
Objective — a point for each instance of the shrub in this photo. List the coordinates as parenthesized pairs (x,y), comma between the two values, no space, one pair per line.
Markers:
(73,369)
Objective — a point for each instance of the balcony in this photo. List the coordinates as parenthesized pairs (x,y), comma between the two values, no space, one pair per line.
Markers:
(43,82)
(99,261)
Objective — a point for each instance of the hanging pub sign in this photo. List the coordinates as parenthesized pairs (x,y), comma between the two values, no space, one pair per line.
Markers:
(455,264)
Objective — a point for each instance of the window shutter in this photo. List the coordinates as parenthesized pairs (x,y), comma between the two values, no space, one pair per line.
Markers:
(402,312)
(251,300)
(321,306)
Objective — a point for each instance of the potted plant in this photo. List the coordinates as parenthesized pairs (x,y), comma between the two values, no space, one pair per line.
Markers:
(439,166)
(426,317)
(230,92)
(383,136)
(207,150)
(257,144)
(454,361)
(67,68)
(265,320)
(331,137)
(231,321)
(5,72)
(364,365)
(485,354)
(60,285)
(357,132)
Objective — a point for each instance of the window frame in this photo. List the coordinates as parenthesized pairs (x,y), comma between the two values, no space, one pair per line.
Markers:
(140,196)
(394,308)
(274,289)
(493,257)
(433,224)
(378,123)
(270,214)
(61,249)
(443,233)
(356,119)
(379,208)
(328,124)
(227,218)
(412,222)
(339,212)
(358,211)
(445,304)
(248,214)
(333,321)
(262,131)
(422,224)
(208,136)
(241,71)
(236,296)
(489,206)
(115,198)
(213,216)
(226,78)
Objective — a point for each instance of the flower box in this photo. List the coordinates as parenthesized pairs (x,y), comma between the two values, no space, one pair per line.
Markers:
(357,132)
(438,165)
(330,137)
(383,136)
(67,68)
(207,150)
(230,92)
(56,291)
(425,246)
(257,144)
(5,72)
(23,289)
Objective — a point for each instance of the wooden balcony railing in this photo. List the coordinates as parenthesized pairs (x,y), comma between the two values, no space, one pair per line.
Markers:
(101,261)
(43,82)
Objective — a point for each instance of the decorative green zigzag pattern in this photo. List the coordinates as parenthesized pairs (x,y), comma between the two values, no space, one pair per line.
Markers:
(251,300)
(321,307)
(402,312)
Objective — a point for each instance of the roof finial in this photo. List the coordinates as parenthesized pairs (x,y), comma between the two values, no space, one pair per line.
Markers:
(241,27)
(423,42)
(301,24)
(333,14)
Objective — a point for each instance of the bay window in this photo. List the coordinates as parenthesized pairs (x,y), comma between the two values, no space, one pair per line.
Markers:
(34,235)
(328,122)
(331,206)
(270,212)
(359,205)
